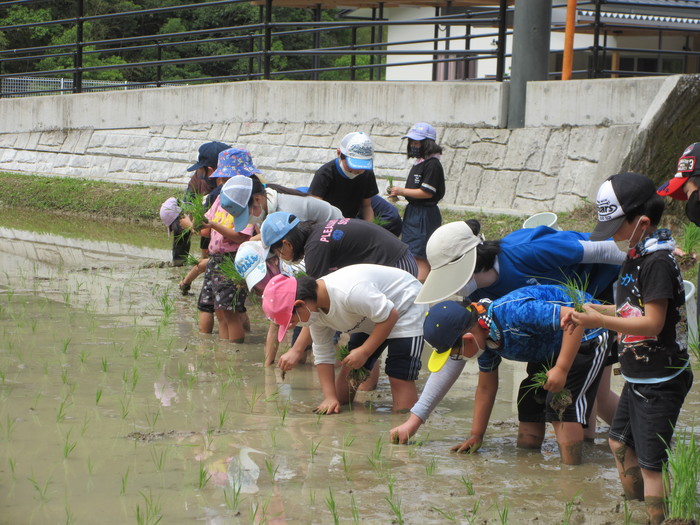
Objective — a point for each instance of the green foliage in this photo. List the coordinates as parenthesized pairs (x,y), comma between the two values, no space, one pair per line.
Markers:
(691,238)
(681,476)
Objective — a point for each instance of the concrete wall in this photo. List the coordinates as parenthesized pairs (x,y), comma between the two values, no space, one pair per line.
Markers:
(577,133)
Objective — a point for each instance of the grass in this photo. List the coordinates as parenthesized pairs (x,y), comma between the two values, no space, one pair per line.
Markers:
(681,476)
(691,238)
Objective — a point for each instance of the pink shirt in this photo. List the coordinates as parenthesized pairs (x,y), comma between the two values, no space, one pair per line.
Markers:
(218,243)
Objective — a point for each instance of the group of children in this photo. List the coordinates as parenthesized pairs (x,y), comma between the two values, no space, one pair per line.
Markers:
(323,265)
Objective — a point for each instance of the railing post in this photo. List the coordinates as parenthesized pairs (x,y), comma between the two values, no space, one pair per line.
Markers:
(316,60)
(159,56)
(78,61)
(436,35)
(596,40)
(268,39)
(353,57)
(381,41)
(251,50)
(501,52)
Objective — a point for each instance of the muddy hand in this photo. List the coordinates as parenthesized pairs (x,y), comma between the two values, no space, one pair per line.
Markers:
(328,406)
(469,446)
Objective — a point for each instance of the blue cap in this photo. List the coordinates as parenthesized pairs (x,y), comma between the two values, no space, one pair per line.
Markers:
(276,226)
(421,131)
(234,198)
(208,155)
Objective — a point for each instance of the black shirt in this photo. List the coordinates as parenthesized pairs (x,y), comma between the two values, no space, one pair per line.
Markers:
(342,242)
(428,176)
(343,193)
(642,280)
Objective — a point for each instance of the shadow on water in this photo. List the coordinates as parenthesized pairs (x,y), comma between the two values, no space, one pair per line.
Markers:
(115,409)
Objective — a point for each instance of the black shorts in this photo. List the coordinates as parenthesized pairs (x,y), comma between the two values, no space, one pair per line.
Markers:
(582,381)
(646,417)
(402,360)
(220,292)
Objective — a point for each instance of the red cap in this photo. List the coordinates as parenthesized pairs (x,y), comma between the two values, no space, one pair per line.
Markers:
(687,167)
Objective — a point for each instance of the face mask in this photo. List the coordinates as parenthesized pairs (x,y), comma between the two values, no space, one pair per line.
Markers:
(347,173)
(475,356)
(414,151)
(624,245)
(692,208)
(313,317)
(257,219)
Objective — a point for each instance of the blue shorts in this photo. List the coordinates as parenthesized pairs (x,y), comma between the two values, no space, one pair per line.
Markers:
(403,357)
(419,223)
(646,417)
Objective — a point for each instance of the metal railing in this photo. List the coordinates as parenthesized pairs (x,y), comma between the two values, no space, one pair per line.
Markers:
(342,48)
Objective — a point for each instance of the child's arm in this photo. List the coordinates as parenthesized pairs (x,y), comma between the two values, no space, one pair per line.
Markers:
(415,193)
(330,403)
(358,357)
(650,324)
(570,343)
(483,404)
(367,211)
(229,233)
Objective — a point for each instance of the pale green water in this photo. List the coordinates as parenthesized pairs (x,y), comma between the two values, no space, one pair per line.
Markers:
(111,409)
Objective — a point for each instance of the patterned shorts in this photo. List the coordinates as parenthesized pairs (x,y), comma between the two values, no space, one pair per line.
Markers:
(220,291)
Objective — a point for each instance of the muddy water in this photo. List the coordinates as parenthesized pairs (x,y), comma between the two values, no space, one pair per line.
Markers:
(115,410)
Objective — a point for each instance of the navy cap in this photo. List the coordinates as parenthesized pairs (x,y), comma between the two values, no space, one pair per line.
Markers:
(208,155)
(444,324)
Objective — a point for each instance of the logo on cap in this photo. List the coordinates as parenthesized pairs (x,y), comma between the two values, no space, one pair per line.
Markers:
(686,164)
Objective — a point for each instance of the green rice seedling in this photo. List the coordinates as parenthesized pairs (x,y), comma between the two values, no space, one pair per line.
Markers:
(83,356)
(124,403)
(204,476)
(232,497)
(168,305)
(195,208)
(68,445)
(64,345)
(569,508)
(70,518)
(627,513)
(503,511)
(273,439)
(152,418)
(330,503)
(90,466)
(312,497)
(64,375)
(314,448)
(151,513)
(33,325)
(62,407)
(104,365)
(254,396)
(346,466)
(379,221)
(271,468)
(689,245)
(13,465)
(41,490)
(356,376)
(348,440)
(223,417)
(125,480)
(681,474)
(468,485)
(354,511)
(395,506)
(474,513)
(431,467)
(107,295)
(390,184)
(86,424)
(449,516)
(283,410)
(98,395)
(560,400)
(159,458)
(575,289)
(9,427)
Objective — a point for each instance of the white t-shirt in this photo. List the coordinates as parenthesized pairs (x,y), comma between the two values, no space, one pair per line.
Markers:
(305,208)
(362,295)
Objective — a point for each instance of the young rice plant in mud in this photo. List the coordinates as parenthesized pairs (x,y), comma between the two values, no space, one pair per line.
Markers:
(151,512)
(390,184)
(681,475)
(689,245)
(357,376)
(228,268)
(560,401)
(232,497)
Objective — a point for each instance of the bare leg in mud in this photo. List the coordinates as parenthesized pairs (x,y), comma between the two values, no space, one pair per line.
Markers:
(206,322)
(530,435)
(570,441)
(628,470)
(654,495)
(605,404)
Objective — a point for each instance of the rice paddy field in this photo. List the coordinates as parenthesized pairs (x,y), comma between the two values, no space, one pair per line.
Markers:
(114,409)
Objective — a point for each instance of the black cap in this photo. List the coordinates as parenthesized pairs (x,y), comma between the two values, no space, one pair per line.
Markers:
(208,155)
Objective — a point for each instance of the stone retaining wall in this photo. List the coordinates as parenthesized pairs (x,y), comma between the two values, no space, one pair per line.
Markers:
(537,168)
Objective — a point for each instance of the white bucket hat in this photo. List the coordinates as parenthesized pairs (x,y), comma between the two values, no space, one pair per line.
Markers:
(451,252)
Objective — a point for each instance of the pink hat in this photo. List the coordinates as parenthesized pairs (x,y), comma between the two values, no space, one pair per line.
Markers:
(170,210)
(278,302)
